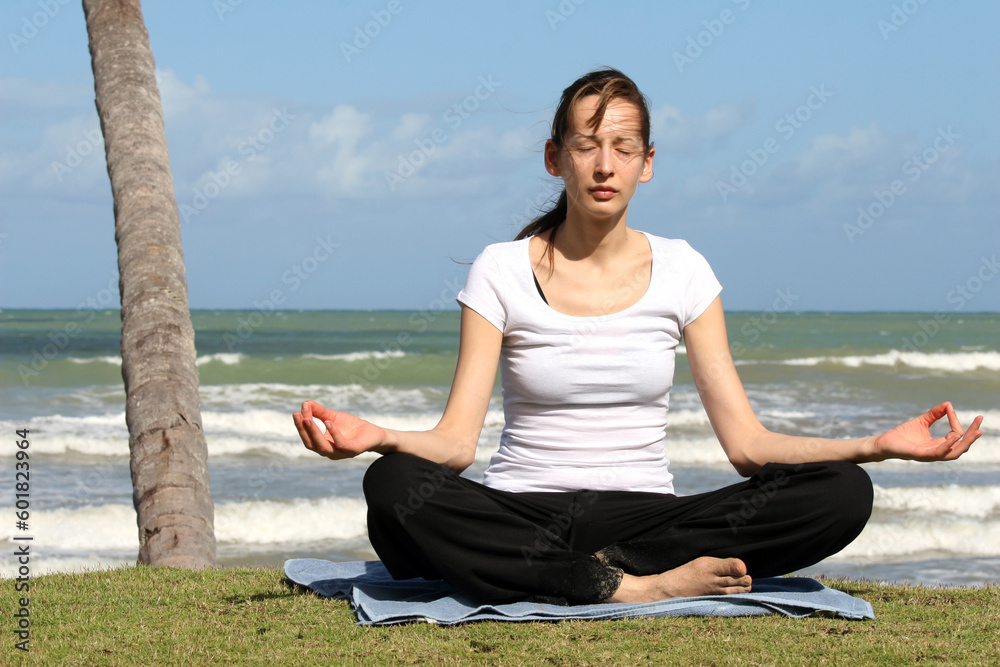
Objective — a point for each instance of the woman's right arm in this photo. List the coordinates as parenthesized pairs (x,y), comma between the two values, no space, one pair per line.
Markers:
(452,442)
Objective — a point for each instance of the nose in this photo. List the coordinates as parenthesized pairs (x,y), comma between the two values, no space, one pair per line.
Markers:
(605,161)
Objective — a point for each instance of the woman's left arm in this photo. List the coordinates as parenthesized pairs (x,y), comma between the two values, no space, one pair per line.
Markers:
(749,445)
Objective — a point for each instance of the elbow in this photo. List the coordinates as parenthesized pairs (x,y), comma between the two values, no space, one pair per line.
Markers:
(744,454)
(456,449)
(742,463)
(742,460)
(463,455)
(462,460)
(745,467)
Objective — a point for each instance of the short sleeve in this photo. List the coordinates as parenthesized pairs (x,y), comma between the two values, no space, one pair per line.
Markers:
(702,287)
(483,291)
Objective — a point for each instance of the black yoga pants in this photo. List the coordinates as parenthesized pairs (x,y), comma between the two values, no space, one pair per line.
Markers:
(424,520)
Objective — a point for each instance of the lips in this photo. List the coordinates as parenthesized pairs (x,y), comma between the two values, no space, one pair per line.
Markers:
(603,192)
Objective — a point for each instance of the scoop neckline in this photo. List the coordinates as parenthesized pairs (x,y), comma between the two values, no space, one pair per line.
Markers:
(583,318)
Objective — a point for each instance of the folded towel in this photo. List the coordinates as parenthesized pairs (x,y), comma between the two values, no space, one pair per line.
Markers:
(378,599)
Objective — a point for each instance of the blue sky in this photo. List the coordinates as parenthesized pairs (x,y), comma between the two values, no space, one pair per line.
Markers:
(354,154)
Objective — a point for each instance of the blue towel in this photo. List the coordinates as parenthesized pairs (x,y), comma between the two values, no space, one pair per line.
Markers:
(378,599)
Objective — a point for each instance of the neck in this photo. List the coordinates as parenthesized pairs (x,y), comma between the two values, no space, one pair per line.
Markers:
(597,240)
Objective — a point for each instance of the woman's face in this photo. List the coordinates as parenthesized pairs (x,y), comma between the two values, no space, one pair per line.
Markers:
(601,167)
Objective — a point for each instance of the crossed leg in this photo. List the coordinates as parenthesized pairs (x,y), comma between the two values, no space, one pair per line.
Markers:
(587,546)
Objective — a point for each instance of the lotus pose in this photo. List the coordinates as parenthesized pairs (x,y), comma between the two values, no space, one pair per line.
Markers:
(584,314)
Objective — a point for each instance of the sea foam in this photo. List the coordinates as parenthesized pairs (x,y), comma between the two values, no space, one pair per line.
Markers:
(954,362)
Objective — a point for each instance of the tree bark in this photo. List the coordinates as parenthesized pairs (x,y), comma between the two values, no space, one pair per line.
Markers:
(169,455)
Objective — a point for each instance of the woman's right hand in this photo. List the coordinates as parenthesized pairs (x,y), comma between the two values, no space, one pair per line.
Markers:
(346,435)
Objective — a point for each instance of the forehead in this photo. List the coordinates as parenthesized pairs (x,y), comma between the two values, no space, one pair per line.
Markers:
(621,118)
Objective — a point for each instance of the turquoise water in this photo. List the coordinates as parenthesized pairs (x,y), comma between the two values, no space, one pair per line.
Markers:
(827,374)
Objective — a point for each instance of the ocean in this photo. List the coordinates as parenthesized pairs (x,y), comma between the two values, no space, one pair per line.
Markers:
(819,374)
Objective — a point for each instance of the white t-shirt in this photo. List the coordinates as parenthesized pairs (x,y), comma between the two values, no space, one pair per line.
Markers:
(585,398)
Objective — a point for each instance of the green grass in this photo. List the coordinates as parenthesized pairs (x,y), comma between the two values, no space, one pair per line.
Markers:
(162,616)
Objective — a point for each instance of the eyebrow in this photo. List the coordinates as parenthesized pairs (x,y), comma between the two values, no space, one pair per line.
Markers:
(617,139)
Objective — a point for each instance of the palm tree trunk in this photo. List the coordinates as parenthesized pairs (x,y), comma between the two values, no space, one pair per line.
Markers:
(169,455)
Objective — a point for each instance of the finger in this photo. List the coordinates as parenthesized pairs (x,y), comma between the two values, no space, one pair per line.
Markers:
(977,424)
(974,430)
(951,447)
(299,421)
(936,412)
(961,445)
(953,421)
(319,441)
(318,432)
(321,411)
(970,436)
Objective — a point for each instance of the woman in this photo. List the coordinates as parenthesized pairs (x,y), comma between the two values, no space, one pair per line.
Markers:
(583,314)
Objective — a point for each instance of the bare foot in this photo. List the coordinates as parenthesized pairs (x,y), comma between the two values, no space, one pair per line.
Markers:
(702,576)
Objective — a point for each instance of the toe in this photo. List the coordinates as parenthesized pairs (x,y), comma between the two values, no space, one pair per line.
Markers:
(733,567)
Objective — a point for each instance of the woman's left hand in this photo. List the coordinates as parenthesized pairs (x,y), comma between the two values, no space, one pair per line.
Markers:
(913,440)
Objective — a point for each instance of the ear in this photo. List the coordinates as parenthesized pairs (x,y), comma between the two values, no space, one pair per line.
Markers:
(647,168)
(552,158)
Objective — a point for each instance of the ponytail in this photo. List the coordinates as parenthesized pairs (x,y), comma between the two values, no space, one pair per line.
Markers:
(547,222)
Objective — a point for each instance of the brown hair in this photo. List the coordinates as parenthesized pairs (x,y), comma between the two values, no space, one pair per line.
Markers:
(609,84)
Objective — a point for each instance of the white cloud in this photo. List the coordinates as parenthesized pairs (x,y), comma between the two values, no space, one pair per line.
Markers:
(178,98)
(343,168)
(341,153)
(679,134)
(345,125)
(412,126)
(525,140)
(822,184)
(835,155)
